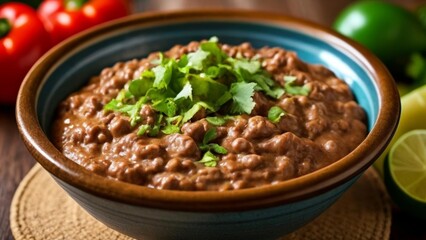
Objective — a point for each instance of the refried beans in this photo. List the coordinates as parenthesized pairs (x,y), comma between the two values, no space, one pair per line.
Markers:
(314,130)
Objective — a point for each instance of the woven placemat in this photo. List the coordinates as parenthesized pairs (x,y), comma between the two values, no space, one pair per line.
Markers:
(41,210)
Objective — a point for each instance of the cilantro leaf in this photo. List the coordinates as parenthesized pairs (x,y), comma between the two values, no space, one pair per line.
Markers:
(143,129)
(139,87)
(170,129)
(217,148)
(194,109)
(275,113)
(210,135)
(209,159)
(162,75)
(186,92)
(215,52)
(292,89)
(242,94)
(167,106)
(264,84)
(218,121)
(196,59)
(154,130)
(129,109)
(206,89)
(250,66)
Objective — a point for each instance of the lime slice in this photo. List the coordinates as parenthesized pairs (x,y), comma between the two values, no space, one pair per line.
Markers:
(413,116)
(405,172)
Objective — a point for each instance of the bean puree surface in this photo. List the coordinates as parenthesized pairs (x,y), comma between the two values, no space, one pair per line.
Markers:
(315,131)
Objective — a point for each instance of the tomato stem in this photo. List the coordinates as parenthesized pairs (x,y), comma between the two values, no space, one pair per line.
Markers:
(4,27)
(72,5)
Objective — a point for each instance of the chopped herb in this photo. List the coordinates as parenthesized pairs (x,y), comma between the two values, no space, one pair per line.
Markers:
(209,159)
(186,92)
(206,80)
(218,149)
(196,59)
(219,121)
(143,128)
(242,94)
(275,113)
(170,129)
(208,147)
(292,89)
(210,135)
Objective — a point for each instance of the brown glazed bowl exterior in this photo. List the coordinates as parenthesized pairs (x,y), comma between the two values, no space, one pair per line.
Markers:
(257,213)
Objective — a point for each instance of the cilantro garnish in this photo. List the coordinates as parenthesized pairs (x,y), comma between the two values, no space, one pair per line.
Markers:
(206,80)
(292,89)
(218,120)
(209,159)
(275,113)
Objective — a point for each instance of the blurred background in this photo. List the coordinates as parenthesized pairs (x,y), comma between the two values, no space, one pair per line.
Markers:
(320,11)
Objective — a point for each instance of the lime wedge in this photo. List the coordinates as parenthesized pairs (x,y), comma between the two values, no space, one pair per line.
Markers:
(413,116)
(405,172)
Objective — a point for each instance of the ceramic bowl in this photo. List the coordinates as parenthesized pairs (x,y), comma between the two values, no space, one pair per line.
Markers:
(259,213)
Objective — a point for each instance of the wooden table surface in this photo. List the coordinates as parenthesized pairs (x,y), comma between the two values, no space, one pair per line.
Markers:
(15,161)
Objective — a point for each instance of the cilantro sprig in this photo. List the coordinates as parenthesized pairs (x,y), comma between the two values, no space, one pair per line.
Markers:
(292,89)
(209,158)
(275,113)
(206,80)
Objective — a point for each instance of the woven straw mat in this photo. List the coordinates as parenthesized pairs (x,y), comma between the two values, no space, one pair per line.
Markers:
(41,210)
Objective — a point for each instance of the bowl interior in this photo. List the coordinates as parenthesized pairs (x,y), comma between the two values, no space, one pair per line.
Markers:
(70,65)
(88,59)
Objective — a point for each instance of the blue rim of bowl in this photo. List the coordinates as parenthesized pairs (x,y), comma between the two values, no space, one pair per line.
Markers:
(288,191)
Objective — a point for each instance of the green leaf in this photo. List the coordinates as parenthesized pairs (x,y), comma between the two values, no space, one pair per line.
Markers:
(217,121)
(210,135)
(130,110)
(139,87)
(209,159)
(275,113)
(170,129)
(206,89)
(217,148)
(175,120)
(167,106)
(242,95)
(143,129)
(154,130)
(162,76)
(271,89)
(155,94)
(292,89)
(213,48)
(226,96)
(194,109)
(289,78)
(214,39)
(250,66)
(196,59)
(147,74)
(186,92)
